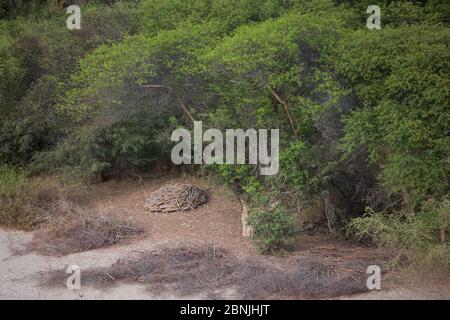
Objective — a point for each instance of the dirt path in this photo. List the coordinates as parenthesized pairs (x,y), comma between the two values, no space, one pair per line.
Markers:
(216,224)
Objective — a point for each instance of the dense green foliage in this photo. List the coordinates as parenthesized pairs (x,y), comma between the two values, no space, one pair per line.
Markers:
(271,228)
(403,116)
(364,115)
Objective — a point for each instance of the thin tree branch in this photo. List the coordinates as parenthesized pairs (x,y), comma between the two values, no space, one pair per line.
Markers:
(180,102)
(291,120)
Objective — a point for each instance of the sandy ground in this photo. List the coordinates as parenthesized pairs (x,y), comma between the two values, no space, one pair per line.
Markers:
(215,223)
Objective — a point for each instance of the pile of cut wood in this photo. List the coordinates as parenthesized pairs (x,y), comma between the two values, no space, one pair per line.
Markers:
(176,197)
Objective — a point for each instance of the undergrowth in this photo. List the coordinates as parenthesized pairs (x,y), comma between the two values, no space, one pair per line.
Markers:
(421,236)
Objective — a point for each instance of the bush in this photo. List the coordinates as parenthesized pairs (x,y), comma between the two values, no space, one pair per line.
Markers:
(415,234)
(403,103)
(13,184)
(37,57)
(27,202)
(271,228)
(12,181)
(121,149)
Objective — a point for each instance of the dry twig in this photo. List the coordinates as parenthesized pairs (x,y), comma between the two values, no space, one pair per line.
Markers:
(176,197)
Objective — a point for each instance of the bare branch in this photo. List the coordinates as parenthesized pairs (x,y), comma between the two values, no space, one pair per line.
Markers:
(291,120)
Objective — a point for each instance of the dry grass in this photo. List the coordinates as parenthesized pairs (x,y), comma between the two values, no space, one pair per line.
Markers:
(322,278)
(74,232)
(32,202)
(209,270)
(47,205)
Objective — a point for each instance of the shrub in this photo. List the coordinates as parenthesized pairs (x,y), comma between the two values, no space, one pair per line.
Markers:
(13,183)
(27,202)
(12,180)
(271,228)
(415,234)
(403,106)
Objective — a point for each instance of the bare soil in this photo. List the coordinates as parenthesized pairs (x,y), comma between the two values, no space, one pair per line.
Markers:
(197,254)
